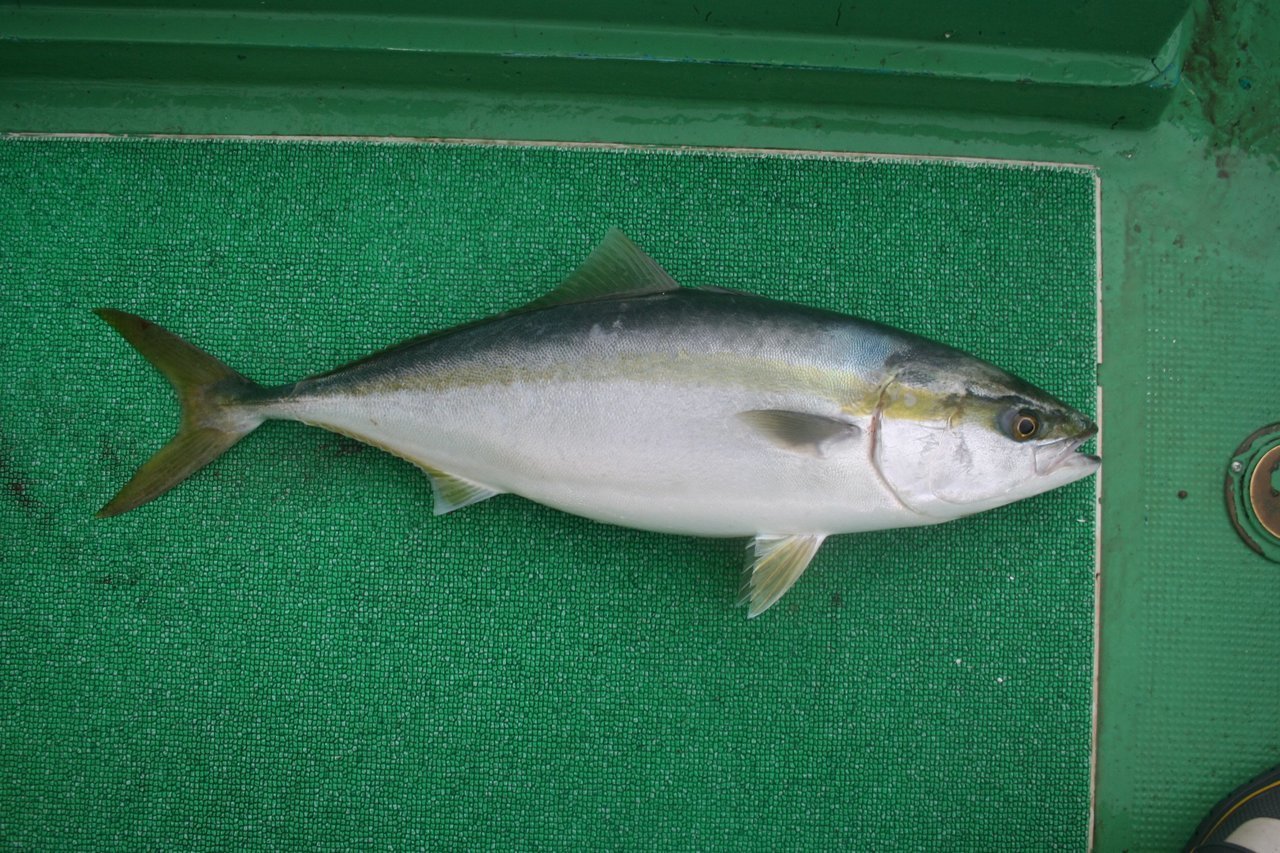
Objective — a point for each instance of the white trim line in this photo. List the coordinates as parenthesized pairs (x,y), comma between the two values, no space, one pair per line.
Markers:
(598,146)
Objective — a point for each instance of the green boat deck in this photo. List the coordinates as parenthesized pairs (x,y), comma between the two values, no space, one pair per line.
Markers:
(223,742)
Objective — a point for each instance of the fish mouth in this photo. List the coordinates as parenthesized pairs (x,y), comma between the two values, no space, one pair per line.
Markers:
(1061,454)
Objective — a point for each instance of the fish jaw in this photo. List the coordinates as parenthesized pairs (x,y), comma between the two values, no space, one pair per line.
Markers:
(1064,455)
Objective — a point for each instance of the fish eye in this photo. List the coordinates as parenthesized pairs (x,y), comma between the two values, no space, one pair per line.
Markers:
(1022,424)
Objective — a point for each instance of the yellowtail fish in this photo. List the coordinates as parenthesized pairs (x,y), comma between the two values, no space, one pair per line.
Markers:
(623,397)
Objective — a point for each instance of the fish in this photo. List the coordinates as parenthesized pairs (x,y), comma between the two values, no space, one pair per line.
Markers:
(624,397)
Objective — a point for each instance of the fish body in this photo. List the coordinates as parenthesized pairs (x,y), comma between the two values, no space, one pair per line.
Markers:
(628,411)
(625,398)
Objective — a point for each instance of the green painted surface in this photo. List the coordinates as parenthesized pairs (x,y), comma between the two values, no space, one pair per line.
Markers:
(473,67)
(1190,700)
(290,649)
(1132,28)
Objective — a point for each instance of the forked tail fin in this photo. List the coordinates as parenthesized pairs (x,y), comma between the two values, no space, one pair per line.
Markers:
(214,414)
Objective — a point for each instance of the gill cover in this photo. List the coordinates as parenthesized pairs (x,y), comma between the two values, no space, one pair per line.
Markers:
(968,452)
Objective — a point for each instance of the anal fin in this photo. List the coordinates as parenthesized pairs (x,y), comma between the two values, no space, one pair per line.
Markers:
(774,563)
(453,492)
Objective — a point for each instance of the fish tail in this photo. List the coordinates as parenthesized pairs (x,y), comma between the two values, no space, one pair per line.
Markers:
(216,410)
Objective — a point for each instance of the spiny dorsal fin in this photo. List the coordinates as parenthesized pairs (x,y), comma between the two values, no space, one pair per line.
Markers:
(453,492)
(800,432)
(616,268)
(774,563)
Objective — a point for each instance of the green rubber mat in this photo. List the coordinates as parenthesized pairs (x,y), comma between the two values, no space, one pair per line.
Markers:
(289,650)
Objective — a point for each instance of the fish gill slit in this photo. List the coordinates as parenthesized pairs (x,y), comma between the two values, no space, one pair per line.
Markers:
(873,443)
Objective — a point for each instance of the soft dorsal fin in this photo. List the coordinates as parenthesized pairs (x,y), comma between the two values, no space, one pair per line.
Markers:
(617,267)
(774,563)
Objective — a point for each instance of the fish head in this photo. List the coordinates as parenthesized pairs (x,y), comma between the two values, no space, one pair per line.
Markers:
(956,435)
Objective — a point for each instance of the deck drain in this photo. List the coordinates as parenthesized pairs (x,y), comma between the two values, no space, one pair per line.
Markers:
(1253,491)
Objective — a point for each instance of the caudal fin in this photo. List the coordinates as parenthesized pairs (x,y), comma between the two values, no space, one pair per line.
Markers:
(214,415)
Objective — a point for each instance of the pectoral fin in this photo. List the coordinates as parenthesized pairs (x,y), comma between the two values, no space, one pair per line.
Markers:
(453,492)
(801,432)
(774,563)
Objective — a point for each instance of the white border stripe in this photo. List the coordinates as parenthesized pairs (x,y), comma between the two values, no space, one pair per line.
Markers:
(793,153)
(1097,522)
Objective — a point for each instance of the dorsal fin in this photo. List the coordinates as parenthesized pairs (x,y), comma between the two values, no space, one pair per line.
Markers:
(617,267)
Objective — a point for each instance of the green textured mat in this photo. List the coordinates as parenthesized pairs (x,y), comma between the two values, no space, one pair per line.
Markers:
(289,650)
